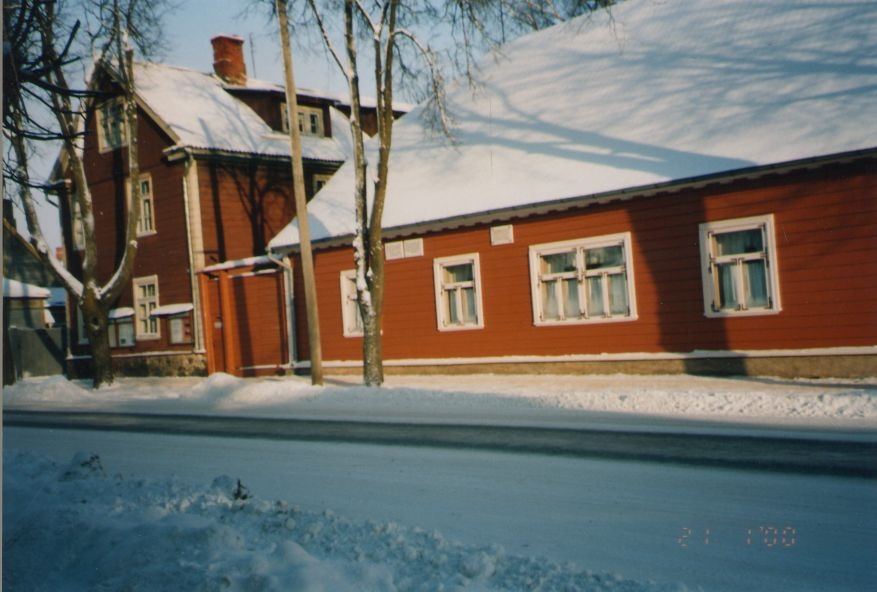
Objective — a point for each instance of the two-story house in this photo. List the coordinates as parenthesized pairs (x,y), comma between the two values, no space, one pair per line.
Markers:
(215,177)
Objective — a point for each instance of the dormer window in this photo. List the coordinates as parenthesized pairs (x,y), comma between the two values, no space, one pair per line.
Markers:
(310,120)
(110,125)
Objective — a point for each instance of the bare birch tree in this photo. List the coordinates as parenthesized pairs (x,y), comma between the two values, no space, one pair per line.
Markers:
(39,51)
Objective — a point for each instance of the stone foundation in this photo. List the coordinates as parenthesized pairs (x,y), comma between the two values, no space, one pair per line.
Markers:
(184,364)
(845,366)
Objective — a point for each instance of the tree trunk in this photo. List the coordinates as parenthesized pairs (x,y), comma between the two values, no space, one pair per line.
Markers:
(372,353)
(301,212)
(97,329)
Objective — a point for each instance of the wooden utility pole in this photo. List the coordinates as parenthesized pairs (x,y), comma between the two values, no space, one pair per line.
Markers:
(301,212)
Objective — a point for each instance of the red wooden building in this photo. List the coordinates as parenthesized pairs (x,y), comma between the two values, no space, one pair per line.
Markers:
(215,175)
(682,187)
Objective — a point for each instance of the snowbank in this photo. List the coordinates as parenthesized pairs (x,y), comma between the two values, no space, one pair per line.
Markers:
(124,533)
(544,400)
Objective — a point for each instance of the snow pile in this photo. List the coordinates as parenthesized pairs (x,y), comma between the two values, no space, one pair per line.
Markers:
(538,400)
(124,533)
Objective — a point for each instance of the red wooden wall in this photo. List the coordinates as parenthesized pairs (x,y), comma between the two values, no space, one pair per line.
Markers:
(826,240)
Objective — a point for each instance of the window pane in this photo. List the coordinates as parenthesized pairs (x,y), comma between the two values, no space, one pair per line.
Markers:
(595,296)
(618,294)
(451,299)
(727,287)
(559,262)
(549,301)
(126,333)
(756,279)
(470,312)
(571,308)
(459,273)
(742,241)
(604,257)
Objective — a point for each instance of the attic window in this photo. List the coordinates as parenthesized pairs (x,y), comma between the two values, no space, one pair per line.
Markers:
(310,120)
(320,182)
(110,125)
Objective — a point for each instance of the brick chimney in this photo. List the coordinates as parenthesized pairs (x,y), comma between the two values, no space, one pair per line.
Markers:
(228,59)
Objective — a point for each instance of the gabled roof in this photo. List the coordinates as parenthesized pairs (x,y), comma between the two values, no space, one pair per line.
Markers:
(198,113)
(655,93)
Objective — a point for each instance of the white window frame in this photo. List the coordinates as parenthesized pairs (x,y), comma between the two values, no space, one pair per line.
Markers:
(310,121)
(312,115)
(350,318)
(146,223)
(709,262)
(579,246)
(318,179)
(105,143)
(443,288)
(144,317)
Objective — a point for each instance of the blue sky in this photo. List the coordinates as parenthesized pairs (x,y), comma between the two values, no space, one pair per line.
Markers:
(190,28)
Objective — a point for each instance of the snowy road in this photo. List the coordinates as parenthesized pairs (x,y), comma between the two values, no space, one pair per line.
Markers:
(829,453)
(716,528)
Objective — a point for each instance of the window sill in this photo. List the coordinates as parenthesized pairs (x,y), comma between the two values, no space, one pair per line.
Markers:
(599,321)
(741,313)
(455,328)
(147,338)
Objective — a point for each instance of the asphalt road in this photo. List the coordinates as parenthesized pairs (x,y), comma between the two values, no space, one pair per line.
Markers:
(812,456)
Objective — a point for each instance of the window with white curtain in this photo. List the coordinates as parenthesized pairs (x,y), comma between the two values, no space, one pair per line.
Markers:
(458,292)
(739,267)
(350,317)
(583,281)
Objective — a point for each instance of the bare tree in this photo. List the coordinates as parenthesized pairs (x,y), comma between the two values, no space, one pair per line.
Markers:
(40,48)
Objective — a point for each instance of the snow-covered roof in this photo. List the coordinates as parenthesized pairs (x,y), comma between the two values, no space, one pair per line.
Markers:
(123,312)
(653,93)
(201,114)
(169,310)
(15,289)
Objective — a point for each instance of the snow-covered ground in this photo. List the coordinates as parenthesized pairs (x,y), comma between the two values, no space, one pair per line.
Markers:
(100,523)
(675,402)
